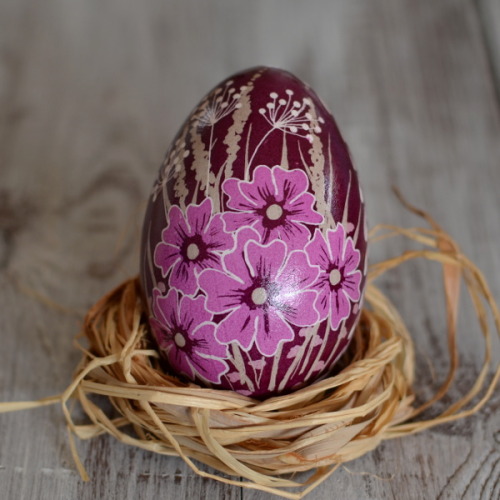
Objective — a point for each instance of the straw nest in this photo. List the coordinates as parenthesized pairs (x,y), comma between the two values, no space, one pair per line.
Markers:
(314,429)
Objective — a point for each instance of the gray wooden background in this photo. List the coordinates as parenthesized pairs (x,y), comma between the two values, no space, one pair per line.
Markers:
(91,93)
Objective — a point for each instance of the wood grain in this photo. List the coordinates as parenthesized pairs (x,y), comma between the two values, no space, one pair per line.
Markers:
(90,96)
(489,14)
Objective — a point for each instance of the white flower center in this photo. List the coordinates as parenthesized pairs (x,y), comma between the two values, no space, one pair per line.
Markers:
(192,251)
(274,212)
(259,296)
(179,340)
(335,277)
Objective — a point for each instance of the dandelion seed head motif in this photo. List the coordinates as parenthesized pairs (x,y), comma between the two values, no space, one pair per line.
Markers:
(292,116)
(223,102)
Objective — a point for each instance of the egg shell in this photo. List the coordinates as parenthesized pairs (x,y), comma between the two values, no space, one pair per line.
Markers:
(253,255)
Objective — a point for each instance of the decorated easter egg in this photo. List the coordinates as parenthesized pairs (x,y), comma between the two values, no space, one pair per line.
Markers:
(253,256)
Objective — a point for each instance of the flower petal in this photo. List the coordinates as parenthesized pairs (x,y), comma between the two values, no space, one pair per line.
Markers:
(235,261)
(290,183)
(340,307)
(318,366)
(206,344)
(258,364)
(292,353)
(179,361)
(322,303)
(223,292)
(265,261)
(271,331)
(299,308)
(198,216)
(293,234)
(301,209)
(177,230)
(211,261)
(208,369)
(351,257)
(238,326)
(192,313)
(237,220)
(165,257)
(350,285)
(234,377)
(297,273)
(261,189)
(183,277)
(236,199)
(336,241)
(317,251)
(215,237)
(165,309)
(162,336)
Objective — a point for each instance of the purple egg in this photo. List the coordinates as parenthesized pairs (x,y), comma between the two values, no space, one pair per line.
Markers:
(253,257)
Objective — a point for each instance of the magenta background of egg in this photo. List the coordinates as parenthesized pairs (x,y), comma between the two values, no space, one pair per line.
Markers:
(243,138)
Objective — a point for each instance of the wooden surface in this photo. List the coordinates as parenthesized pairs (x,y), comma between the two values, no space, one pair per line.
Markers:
(91,93)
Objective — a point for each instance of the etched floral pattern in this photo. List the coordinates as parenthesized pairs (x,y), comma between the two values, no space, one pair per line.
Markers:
(186,335)
(276,203)
(190,244)
(265,291)
(255,268)
(339,280)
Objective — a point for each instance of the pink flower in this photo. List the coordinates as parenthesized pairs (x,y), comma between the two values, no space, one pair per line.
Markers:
(188,247)
(276,203)
(186,334)
(339,279)
(263,291)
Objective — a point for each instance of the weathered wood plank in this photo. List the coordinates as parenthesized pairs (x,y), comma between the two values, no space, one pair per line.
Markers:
(90,95)
(489,13)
